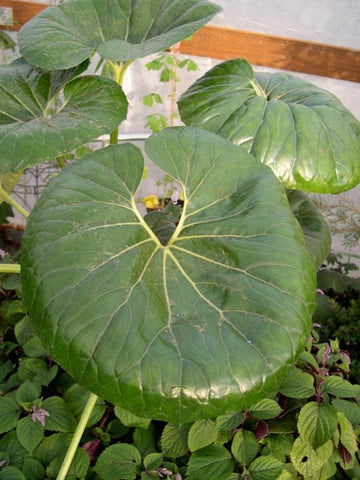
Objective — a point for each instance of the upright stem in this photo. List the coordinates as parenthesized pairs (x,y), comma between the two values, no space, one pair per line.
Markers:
(9,268)
(77,436)
(61,162)
(173,80)
(13,202)
(119,70)
(114,136)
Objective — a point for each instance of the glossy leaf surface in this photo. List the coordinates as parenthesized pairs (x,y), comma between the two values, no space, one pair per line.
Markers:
(32,131)
(304,133)
(315,228)
(208,323)
(119,30)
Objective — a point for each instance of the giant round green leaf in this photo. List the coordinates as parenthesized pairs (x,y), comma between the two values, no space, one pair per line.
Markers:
(33,131)
(120,30)
(304,133)
(207,323)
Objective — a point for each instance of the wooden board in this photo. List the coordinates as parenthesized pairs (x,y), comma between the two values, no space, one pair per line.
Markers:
(276,52)
(21,12)
(258,48)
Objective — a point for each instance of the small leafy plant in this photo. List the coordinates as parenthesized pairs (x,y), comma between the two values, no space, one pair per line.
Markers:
(193,313)
(168,65)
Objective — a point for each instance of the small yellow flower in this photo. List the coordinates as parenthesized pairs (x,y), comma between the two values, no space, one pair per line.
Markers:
(151,201)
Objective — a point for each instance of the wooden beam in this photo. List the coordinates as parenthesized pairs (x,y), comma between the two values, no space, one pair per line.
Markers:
(258,48)
(275,52)
(22,12)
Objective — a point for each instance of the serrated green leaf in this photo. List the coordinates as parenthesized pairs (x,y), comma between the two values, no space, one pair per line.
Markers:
(201,434)
(224,436)
(149,99)
(29,433)
(149,476)
(298,384)
(347,436)
(265,468)
(9,413)
(244,447)
(280,445)
(60,417)
(27,338)
(153,461)
(34,348)
(317,423)
(11,473)
(116,429)
(213,461)
(65,35)
(225,232)
(265,409)
(264,110)
(28,393)
(33,469)
(308,461)
(14,307)
(306,357)
(36,371)
(328,470)
(131,420)
(229,421)
(174,440)
(118,461)
(350,409)
(288,473)
(354,471)
(338,386)
(29,367)
(10,444)
(145,440)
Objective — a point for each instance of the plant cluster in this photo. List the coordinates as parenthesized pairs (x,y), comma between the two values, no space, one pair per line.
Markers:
(308,430)
(338,307)
(190,322)
(344,218)
(168,65)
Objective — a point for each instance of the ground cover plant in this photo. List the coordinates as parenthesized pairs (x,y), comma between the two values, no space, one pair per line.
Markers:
(192,323)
